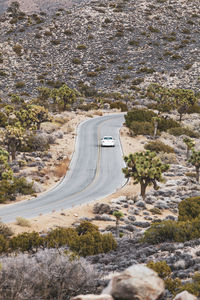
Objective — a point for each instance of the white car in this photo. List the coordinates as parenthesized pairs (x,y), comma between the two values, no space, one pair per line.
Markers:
(107,141)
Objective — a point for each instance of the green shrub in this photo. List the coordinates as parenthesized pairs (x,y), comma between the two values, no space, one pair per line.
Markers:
(26,241)
(119,105)
(165,124)
(160,267)
(189,209)
(59,237)
(177,131)
(155,211)
(158,146)
(20,84)
(194,109)
(172,231)
(3,244)
(17,49)
(140,115)
(3,119)
(192,287)
(5,231)
(142,128)
(9,189)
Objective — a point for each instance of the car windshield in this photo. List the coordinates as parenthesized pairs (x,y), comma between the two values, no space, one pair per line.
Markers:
(108,138)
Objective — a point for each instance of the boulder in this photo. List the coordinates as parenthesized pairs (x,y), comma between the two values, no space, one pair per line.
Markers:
(136,282)
(92,297)
(185,296)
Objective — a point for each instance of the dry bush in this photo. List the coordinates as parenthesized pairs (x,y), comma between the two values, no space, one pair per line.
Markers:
(61,120)
(89,115)
(47,275)
(98,113)
(61,169)
(168,158)
(22,222)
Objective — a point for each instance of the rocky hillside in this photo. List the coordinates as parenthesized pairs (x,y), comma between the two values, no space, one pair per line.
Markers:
(110,46)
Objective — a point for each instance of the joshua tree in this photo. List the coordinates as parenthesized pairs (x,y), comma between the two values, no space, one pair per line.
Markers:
(190,145)
(118,215)
(13,139)
(145,168)
(195,161)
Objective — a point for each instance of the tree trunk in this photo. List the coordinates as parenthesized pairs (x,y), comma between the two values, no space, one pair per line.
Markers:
(180,117)
(155,129)
(197,174)
(13,152)
(143,190)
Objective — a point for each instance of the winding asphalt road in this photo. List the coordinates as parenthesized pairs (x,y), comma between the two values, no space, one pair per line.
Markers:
(94,173)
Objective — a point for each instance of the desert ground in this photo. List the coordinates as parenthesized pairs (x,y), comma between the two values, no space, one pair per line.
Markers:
(65,147)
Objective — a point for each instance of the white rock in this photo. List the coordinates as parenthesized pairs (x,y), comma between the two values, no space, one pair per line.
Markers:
(185,296)
(136,282)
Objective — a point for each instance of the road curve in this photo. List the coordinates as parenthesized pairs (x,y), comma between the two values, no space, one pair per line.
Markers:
(94,173)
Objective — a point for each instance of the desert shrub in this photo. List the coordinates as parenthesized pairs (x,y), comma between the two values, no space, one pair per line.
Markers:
(22,275)
(26,242)
(59,237)
(91,241)
(172,231)
(23,222)
(189,209)
(161,267)
(192,287)
(119,105)
(168,158)
(17,49)
(61,169)
(155,211)
(5,231)
(87,107)
(81,47)
(142,128)
(139,115)
(76,61)
(194,109)
(36,142)
(177,131)
(21,186)
(191,174)
(9,189)
(158,146)
(20,84)
(86,227)
(3,244)
(3,119)
(165,124)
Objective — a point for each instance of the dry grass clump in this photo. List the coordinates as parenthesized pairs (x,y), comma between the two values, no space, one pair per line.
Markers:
(22,222)
(61,120)
(62,168)
(98,113)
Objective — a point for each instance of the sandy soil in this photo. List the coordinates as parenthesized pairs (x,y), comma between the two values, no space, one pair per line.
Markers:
(65,146)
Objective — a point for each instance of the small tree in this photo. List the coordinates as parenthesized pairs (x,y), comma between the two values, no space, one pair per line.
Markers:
(64,96)
(118,215)
(13,139)
(145,168)
(195,161)
(190,145)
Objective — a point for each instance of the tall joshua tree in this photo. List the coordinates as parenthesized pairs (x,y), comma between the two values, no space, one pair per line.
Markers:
(145,168)
(195,161)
